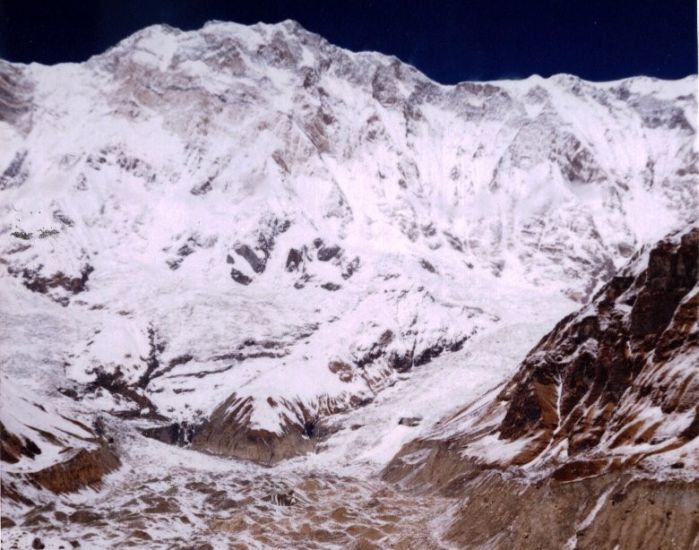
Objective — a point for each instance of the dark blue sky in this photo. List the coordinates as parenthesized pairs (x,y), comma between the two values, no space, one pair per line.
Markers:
(448,40)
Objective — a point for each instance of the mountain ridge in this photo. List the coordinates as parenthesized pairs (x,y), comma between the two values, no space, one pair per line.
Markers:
(294,25)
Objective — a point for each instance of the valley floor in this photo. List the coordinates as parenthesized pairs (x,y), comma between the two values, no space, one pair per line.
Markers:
(169,497)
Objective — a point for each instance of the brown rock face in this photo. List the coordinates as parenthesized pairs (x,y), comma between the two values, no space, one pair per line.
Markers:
(588,382)
(606,512)
(85,468)
(44,448)
(228,432)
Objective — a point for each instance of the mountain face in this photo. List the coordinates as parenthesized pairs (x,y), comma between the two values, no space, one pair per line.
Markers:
(234,237)
(612,385)
(612,389)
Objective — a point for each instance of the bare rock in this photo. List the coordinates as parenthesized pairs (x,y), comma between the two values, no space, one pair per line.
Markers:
(410,421)
(240,278)
(327,253)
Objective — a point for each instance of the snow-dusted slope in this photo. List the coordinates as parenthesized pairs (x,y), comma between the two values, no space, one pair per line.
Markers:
(243,230)
(48,446)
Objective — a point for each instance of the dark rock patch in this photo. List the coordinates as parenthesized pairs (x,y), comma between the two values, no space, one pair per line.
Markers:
(240,278)
(257,264)
(293,260)
(62,218)
(16,173)
(36,283)
(377,350)
(202,188)
(410,421)
(115,383)
(177,433)
(174,264)
(434,351)
(330,286)
(401,362)
(453,241)
(351,268)
(185,250)
(428,266)
(343,370)
(301,283)
(327,253)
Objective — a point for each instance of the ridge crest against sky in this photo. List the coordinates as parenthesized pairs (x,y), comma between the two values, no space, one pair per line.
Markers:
(449,41)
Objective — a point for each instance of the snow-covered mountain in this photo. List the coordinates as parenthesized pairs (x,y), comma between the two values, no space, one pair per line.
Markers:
(233,234)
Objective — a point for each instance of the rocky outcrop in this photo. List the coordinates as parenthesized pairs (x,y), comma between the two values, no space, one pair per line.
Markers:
(45,445)
(85,469)
(67,286)
(611,385)
(591,383)
(257,256)
(240,278)
(229,432)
